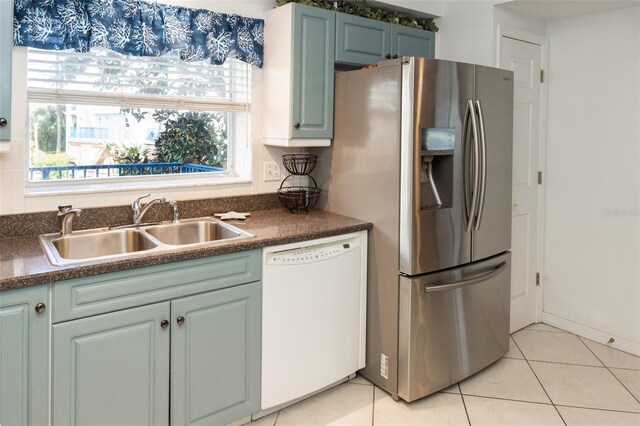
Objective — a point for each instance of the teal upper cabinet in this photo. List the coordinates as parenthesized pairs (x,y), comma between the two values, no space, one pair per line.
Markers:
(361,40)
(302,46)
(407,41)
(298,76)
(6,40)
(24,355)
(314,36)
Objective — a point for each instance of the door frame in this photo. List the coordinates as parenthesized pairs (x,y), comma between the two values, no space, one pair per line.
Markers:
(543,42)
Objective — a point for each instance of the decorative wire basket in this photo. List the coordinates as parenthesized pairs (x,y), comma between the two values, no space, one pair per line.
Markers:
(298,198)
(299,164)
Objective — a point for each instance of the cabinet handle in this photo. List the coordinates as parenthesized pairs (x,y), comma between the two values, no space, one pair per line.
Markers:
(388,56)
(40,308)
(164,323)
(3,121)
(395,56)
(180,320)
(297,125)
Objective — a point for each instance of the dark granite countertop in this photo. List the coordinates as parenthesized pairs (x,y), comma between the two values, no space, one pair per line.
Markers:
(23,262)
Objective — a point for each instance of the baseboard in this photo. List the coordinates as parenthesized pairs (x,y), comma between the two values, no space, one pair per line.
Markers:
(592,334)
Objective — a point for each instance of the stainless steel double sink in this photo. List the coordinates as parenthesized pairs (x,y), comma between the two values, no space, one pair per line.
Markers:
(104,243)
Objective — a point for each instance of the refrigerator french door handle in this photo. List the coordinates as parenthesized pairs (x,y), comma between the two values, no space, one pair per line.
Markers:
(476,166)
(483,166)
(431,288)
(465,164)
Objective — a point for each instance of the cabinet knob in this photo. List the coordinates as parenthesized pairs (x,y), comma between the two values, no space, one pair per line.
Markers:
(395,56)
(40,308)
(297,125)
(388,56)
(180,320)
(164,323)
(3,121)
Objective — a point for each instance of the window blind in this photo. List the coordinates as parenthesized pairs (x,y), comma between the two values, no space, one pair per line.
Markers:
(103,77)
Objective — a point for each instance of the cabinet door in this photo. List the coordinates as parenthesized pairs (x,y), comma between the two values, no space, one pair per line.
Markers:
(24,356)
(407,41)
(361,41)
(313,63)
(112,369)
(6,45)
(215,356)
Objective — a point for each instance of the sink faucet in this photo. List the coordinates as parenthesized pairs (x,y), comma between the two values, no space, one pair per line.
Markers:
(176,211)
(139,211)
(67,213)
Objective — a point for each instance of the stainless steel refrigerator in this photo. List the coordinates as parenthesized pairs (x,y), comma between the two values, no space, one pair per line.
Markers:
(423,149)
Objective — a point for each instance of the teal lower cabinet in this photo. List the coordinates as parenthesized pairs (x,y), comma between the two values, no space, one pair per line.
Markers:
(112,369)
(174,344)
(24,356)
(215,356)
(195,357)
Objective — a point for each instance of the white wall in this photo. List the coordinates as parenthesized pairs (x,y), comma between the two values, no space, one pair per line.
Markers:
(592,241)
(432,7)
(13,167)
(468,30)
(518,21)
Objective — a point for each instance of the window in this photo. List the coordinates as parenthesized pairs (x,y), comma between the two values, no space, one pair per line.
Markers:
(103,115)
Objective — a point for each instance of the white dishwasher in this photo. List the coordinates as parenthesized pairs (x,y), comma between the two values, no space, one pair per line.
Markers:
(313,315)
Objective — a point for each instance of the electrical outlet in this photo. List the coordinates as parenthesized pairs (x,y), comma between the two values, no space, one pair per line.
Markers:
(271,171)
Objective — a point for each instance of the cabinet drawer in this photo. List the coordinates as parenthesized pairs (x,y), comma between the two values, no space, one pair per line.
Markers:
(98,294)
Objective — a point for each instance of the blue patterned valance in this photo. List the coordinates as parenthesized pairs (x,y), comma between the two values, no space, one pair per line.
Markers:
(139,28)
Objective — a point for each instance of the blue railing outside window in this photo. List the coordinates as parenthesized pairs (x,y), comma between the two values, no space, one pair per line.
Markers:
(109,170)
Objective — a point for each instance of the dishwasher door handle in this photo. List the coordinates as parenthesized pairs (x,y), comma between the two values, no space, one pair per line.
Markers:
(431,288)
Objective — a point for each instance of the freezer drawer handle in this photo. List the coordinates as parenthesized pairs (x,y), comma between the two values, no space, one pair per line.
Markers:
(430,288)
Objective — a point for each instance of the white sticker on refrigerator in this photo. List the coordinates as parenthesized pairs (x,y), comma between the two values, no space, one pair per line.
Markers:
(384,366)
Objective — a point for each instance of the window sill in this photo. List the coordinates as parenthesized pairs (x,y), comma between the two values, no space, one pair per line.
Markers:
(92,186)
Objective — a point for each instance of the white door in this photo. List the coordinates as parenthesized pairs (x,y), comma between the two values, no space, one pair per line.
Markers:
(523,59)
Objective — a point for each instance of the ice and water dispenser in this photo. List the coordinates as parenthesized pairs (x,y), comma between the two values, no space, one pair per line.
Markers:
(436,175)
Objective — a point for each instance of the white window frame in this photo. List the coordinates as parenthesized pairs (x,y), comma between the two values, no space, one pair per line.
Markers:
(238,151)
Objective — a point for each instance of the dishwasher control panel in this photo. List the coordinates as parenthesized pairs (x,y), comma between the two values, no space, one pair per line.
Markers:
(312,254)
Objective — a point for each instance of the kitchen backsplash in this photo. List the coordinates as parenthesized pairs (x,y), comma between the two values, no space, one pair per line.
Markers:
(46,222)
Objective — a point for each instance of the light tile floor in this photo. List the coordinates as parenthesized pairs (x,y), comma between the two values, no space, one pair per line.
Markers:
(548,377)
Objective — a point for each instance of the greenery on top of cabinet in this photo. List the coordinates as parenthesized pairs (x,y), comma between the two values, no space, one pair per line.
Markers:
(361,9)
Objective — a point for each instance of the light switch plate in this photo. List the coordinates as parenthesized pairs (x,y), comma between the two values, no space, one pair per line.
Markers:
(271,171)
